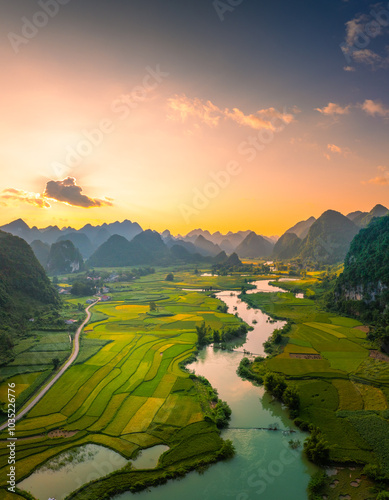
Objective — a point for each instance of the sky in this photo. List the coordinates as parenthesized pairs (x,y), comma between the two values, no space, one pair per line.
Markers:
(180,114)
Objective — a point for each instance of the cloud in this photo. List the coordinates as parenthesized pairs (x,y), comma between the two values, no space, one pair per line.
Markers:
(355,27)
(19,195)
(381,179)
(67,191)
(334,109)
(368,57)
(334,149)
(183,108)
(360,32)
(206,112)
(262,119)
(374,108)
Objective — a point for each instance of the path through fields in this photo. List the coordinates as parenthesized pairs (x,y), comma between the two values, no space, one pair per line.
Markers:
(69,362)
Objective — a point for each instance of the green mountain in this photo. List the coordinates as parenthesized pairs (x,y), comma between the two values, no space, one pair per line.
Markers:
(233,260)
(205,246)
(80,241)
(41,251)
(328,239)
(24,288)
(64,258)
(366,267)
(287,247)
(116,251)
(254,246)
(146,248)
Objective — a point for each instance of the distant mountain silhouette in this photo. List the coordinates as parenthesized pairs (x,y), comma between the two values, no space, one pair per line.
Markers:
(254,246)
(287,247)
(96,234)
(364,219)
(301,228)
(80,241)
(206,245)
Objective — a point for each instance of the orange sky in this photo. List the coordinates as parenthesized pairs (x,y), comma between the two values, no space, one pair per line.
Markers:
(176,154)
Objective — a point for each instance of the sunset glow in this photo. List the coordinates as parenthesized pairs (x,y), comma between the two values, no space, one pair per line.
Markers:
(192,121)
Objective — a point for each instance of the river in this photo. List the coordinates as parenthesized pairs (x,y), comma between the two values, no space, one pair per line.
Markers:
(265,467)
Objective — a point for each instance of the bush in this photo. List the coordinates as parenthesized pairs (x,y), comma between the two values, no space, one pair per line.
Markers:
(227,450)
(316,447)
(301,424)
(317,484)
(244,370)
(375,473)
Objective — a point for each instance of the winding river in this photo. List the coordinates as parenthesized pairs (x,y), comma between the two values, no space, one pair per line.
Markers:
(264,467)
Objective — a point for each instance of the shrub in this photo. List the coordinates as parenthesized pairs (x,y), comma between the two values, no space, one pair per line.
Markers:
(317,484)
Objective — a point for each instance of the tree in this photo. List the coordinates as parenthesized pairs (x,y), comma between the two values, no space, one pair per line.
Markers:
(275,384)
(227,450)
(316,447)
(292,400)
(153,306)
(82,289)
(169,277)
(216,336)
(56,363)
(202,331)
(222,308)
(317,484)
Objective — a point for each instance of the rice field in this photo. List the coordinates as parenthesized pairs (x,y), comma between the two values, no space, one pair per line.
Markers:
(344,390)
(126,389)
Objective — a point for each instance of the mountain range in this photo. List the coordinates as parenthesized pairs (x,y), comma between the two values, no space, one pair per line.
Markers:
(87,239)
(325,240)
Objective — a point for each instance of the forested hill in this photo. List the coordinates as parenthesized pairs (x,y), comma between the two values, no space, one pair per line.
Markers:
(363,288)
(24,285)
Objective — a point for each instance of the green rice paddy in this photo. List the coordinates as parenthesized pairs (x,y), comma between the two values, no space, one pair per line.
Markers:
(343,391)
(126,389)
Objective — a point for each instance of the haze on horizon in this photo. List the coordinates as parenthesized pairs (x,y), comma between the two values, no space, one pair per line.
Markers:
(198,114)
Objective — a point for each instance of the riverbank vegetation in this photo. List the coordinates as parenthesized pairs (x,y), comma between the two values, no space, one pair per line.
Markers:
(342,384)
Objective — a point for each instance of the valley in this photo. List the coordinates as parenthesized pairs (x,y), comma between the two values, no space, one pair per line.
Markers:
(100,372)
